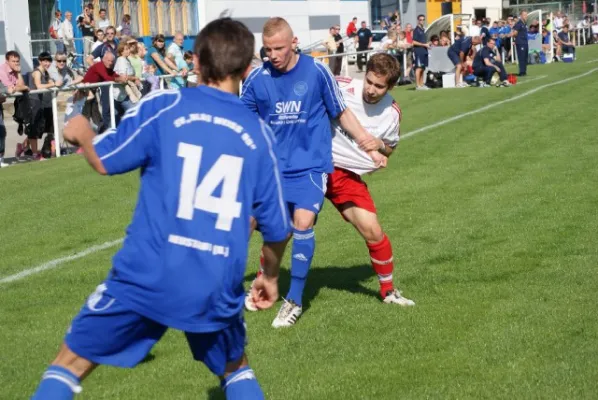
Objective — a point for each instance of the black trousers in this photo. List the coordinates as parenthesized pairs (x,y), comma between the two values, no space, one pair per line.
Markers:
(522,53)
(361,58)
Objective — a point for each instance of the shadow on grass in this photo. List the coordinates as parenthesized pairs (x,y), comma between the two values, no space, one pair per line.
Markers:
(216,393)
(348,279)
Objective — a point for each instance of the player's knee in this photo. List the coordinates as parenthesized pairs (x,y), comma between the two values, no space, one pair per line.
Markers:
(373,233)
(304,220)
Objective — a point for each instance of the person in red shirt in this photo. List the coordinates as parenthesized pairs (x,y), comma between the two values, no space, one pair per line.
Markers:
(352,27)
(104,72)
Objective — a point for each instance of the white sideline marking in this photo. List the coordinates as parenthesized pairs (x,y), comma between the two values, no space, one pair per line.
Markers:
(531,80)
(592,61)
(496,104)
(57,262)
(94,249)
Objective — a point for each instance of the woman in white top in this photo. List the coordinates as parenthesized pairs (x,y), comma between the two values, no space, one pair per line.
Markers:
(123,67)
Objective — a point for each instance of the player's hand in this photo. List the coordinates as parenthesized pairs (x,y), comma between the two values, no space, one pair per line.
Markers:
(370,144)
(75,129)
(380,160)
(264,292)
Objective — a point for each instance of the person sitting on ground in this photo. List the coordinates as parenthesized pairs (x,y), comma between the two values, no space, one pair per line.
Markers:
(487,62)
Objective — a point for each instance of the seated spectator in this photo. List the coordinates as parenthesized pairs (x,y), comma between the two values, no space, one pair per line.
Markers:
(445,39)
(435,41)
(61,74)
(565,43)
(40,79)
(11,81)
(487,62)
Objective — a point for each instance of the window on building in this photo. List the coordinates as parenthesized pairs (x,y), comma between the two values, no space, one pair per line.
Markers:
(170,16)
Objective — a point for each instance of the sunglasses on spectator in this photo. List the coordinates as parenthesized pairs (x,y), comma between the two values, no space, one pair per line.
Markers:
(60,60)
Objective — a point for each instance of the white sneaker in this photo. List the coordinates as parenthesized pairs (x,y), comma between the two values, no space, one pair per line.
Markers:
(3,164)
(394,297)
(288,315)
(249,303)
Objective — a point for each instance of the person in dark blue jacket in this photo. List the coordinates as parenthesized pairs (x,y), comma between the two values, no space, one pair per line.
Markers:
(487,62)
(520,35)
(458,52)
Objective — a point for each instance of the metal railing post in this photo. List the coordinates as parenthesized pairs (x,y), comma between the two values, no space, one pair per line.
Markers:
(57,135)
(112,111)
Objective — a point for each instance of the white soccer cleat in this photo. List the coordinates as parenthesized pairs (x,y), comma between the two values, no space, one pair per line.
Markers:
(288,315)
(395,297)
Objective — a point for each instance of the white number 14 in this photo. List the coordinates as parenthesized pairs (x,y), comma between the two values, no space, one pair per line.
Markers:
(226,170)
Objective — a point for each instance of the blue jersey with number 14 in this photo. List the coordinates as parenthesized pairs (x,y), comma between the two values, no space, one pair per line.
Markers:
(207,165)
(298,105)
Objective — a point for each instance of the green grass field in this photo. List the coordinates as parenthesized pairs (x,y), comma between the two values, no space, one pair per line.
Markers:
(493,219)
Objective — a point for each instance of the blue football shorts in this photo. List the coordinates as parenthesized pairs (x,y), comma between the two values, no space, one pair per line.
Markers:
(305,191)
(107,332)
(420,59)
(454,57)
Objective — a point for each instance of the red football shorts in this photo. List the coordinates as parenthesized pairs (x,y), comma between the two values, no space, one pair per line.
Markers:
(348,187)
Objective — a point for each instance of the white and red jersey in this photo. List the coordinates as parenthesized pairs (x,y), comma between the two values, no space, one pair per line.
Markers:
(381,120)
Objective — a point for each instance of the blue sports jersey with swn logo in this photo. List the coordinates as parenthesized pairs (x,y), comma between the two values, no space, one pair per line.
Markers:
(207,165)
(298,106)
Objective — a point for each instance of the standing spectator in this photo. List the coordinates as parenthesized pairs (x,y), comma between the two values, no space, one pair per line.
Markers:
(176,61)
(61,74)
(68,34)
(12,80)
(420,52)
(364,42)
(494,33)
(475,29)
(157,54)
(125,26)
(520,35)
(331,47)
(352,28)
(109,45)
(136,58)
(56,31)
(340,49)
(104,21)
(40,79)
(85,22)
(409,33)
(484,32)
(124,95)
(565,43)
(104,72)
(504,33)
(558,21)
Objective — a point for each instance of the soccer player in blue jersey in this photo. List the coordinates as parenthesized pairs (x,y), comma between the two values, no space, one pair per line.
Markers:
(298,97)
(208,168)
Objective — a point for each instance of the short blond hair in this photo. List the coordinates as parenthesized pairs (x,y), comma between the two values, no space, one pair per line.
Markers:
(275,25)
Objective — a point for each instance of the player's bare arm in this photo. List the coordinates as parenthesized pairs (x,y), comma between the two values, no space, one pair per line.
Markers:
(265,288)
(79,132)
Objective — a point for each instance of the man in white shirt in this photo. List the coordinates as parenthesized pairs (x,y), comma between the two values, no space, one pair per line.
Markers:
(557,24)
(104,21)
(380,115)
(68,34)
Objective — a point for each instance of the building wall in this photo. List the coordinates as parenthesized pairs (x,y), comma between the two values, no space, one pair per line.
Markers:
(493,7)
(15,31)
(310,19)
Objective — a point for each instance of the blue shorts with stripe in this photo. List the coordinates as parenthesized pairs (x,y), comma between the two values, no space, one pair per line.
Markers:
(107,332)
(305,191)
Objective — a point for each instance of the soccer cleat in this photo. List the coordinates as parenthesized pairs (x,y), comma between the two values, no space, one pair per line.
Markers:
(249,303)
(506,84)
(288,315)
(395,297)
